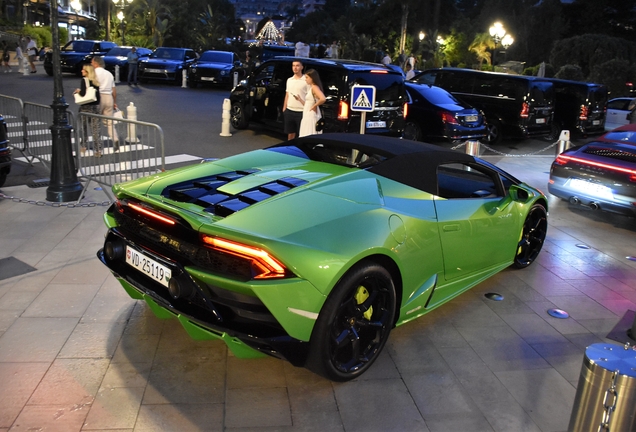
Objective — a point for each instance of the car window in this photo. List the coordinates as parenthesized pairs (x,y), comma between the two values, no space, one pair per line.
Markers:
(497,86)
(456,82)
(460,180)
(388,87)
(117,52)
(618,104)
(264,75)
(331,80)
(79,46)
(426,78)
(541,92)
(623,136)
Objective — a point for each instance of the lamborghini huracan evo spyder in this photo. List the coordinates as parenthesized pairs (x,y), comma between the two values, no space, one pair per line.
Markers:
(314,249)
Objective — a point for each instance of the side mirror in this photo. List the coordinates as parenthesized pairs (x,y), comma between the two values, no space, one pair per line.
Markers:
(519,194)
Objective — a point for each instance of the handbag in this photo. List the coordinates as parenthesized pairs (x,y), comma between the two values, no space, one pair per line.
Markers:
(320,123)
(89,97)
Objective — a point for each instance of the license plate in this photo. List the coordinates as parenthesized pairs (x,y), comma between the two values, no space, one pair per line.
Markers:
(148,266)
(208,79)
(594,189)
(471,118)
(596,122)
(540,120)
(154,70)
(376,124)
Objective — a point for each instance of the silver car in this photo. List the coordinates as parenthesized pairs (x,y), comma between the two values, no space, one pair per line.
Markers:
(617,113)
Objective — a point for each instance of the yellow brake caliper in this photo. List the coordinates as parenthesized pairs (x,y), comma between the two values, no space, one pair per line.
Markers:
(361,295)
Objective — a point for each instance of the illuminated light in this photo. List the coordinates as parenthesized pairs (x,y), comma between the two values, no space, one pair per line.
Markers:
(405,110)
(379,71)
(268,266)
(551,181)
(343,111)
(560,160)
(151,214)
(448,118)
(584,112)
(525,110)
(565,159)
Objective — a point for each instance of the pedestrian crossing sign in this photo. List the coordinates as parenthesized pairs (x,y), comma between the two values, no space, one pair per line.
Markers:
(363,98)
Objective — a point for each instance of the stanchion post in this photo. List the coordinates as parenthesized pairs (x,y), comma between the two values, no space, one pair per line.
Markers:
(235,80)
(184,78)
(225,125)
(564,142)
(472,148)
(131,114)
(117,74)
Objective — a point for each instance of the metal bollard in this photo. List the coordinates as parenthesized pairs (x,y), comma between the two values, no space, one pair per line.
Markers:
(116,74)
(235,79)
(606,393)
(564,142)
(472,148)
(184,78)
(131,114)
(225,125)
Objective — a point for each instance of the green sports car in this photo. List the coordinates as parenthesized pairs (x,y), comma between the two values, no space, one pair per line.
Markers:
(314,249)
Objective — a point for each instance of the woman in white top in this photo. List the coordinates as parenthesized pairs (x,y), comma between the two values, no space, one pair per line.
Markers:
(315,98)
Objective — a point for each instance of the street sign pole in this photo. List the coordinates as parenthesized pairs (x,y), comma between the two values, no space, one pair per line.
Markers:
(363,101)
(363,122)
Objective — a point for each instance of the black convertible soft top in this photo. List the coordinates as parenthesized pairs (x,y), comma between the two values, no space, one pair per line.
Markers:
(409,162)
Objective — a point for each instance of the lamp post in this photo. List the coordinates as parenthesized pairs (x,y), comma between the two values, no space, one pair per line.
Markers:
(77,7)
(64,185)
(499,34)
(121,4)
(120,15)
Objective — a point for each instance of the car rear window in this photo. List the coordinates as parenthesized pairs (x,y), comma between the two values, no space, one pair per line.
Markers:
(168,54)
(79,46)
(612,153)
(216,57)
(437,96)
(622,136)
(389,87)
(541,92)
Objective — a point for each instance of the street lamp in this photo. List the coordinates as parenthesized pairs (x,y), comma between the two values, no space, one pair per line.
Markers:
(121,4)
(499,34)
(77,7)
(120,16)
(422,36)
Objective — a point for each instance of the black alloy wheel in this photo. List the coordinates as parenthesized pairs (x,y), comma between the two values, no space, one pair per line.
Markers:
(237,116)
(412,131)
(354,324)
(493,129)
(532,236)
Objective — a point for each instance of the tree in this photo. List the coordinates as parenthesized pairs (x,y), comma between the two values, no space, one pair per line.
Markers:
(156,17)
(482,46)
(615,74)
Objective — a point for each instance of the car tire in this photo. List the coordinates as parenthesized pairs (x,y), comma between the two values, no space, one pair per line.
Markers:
(532,236)
(493,129)
(412,131)
(354,323)
(238,118)
(555,132)
(3,177)
(192,83)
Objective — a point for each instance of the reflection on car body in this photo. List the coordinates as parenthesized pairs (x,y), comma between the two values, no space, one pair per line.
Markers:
(617,110)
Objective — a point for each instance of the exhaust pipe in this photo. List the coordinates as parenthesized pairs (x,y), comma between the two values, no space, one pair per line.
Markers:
(575,200)
(594,206)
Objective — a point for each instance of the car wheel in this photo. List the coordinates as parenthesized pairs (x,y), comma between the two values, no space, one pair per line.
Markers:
(532,236)
(555,132)
(412,132)
(49,72)
(493,129)
(238,119)
(3,177)
(354,323)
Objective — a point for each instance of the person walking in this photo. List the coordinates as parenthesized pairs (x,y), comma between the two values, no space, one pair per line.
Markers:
(133,63)
(315,98)
(89,77)
(32,53)
(19,57)
(107,96)
(5,56)
(295,94)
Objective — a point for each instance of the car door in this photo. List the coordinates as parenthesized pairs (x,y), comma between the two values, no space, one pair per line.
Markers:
(275,95)
(617,113)
(477,222)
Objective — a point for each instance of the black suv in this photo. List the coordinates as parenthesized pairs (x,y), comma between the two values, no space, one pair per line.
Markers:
(75,54)
(166,64)
(260,97)
(514,105)
(5,152)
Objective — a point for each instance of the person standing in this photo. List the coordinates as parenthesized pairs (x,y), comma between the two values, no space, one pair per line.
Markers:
(133,61)
(295,94)
(5,56)
(107,96)
(315,98)
(19,57)
(386,60)
(410,73)
(32,52)
(88,74)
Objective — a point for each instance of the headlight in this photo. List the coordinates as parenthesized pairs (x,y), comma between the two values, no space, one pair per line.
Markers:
(193,69)
(224,72)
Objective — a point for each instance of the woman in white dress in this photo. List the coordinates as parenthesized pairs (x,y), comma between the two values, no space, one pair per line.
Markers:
(311,110)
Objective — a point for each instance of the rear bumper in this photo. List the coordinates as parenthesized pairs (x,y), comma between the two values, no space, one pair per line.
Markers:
(559,189)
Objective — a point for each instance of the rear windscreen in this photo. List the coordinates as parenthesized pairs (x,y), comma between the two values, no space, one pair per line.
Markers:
(389,87)
(541,92)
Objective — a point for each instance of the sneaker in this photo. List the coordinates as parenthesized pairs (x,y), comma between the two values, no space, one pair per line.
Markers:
(97,154)
(116,147)
(83,151)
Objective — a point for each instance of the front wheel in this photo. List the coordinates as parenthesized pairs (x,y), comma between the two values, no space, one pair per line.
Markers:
(412,131)
(532,236)
(354,323)
(493,129)
(238,118)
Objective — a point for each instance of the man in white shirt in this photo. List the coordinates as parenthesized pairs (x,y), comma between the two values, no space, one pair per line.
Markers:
(107,96)
(295,95)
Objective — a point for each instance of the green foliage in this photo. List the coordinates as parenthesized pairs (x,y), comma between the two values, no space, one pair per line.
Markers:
(42,35)
(589,50)
(614,74)
(570,72)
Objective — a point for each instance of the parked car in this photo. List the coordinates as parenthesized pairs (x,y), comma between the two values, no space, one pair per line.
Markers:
(268,52)
(514,105)
(76,53)
(166,64)
(260,97)
(617,112)
(118,57)
(314,249)
(214,67)
(600,175)
(434,113)
(578,107)
(625,134)
(5,152)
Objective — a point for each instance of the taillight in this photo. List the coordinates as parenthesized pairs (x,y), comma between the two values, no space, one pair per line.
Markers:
(264,265)
(584,112)
(147,212)
(448,118)
(405,110)
(560,160)
(525,110)
(343,111)
(630,172)
(376,71)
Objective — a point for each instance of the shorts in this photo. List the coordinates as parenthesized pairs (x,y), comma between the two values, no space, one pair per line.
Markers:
(5,58)
(292,121)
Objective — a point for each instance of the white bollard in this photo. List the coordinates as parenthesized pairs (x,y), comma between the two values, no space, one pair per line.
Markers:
(184,78)
(116,74)
(564,142)
(225,125)
(25,66)
(472,148)
(131,113)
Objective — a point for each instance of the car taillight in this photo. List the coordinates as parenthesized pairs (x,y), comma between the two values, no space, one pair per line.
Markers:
(630,172)
(584,112)
(560,160)
(525,110)
(343,111)
(264,265)
(405,110)
(148,212)
(448,118)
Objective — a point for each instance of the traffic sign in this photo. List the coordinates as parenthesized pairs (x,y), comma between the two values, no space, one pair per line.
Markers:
(362,98)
